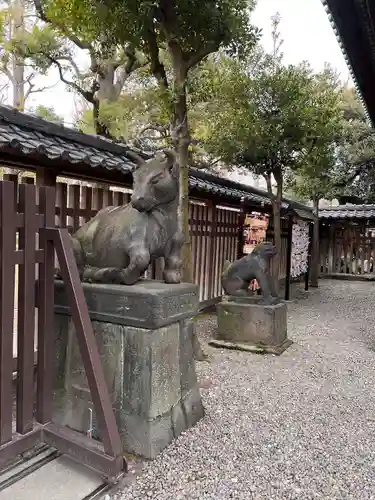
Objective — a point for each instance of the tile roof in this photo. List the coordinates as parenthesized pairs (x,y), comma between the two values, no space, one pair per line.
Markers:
(209,183)
(29,136)
(352,22)
(348,212)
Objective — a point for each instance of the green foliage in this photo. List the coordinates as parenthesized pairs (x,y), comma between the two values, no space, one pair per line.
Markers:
(47,113)
(39,45)
(316,177)
(264,116)
(355,153)
(195,23)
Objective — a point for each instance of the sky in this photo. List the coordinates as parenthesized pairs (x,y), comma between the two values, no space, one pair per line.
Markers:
(305,30)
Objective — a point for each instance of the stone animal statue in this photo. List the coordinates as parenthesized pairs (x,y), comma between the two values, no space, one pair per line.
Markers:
(118,244)
(237,276)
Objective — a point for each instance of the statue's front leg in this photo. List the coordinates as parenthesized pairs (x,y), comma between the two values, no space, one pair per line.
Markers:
(173,261)
(139,262)
(266,286)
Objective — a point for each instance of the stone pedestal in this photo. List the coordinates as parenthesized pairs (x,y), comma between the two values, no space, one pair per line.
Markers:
(249,324)
(144,335)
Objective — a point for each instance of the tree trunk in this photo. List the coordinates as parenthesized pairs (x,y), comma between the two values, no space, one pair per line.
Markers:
(18,67)
(315,256)
(276,210)
(181,138)
(276,216)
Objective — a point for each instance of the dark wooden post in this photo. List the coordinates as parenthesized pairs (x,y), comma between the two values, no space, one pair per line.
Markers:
(212,253)
(45,177)
(288,257)
(309,258)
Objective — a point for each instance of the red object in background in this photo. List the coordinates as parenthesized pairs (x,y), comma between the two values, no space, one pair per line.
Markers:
(255,230)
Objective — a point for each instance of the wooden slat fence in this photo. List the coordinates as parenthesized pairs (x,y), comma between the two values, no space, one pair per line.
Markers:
(214,230)
(346,249)
(26,401)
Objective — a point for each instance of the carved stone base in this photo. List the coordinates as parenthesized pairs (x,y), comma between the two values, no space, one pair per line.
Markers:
(149,369)
(249,324)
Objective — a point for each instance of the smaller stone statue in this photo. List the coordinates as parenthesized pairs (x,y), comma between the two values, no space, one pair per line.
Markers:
(237,276)
(119,243)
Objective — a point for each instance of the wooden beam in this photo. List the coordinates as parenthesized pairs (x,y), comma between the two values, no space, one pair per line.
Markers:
(45,177)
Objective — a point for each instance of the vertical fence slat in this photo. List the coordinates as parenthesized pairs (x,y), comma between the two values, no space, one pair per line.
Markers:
(7,272)
(108,198)
(210,253)
(201,250)
(46,313)
(13,178)
(207,235)
(62,203)
(98,199)
(26,311)
(75,204)
(116,198)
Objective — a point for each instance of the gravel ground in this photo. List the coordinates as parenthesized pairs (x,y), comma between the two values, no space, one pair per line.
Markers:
(298,426)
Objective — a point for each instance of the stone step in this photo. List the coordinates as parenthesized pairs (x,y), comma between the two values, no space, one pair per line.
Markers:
(60,479)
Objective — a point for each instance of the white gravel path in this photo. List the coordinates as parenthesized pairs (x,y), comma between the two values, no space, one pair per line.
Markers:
(299,426)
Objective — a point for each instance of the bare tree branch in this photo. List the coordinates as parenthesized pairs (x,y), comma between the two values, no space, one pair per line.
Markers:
(89,95)
(162,129)
(3,92)
(4,60)
(73,64)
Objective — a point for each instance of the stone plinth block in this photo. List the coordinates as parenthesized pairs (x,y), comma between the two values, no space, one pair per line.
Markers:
(248,324)
(144,335)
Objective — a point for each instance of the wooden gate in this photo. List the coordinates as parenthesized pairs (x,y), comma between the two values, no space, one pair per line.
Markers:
(29,240)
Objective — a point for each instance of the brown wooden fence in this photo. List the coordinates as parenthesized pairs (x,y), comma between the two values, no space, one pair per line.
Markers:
(26,412)
(215,230)
(346,249)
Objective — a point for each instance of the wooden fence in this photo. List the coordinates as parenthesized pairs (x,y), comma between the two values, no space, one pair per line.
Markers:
(214,229)
(346,249)
(26,408)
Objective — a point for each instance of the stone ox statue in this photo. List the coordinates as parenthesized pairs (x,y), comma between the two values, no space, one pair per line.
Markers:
(236,277)
(119,243)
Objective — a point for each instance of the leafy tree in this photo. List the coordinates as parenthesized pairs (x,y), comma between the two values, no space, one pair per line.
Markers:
(187,31)
(316,177)
(265,116)
(50,42)
(17,24)
(355,153)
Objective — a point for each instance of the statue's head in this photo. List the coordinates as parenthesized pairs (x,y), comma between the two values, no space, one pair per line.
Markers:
(266,250)
(155,182)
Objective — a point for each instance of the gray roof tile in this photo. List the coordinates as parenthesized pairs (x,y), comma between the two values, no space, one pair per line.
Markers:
(348,212)
(28,135)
